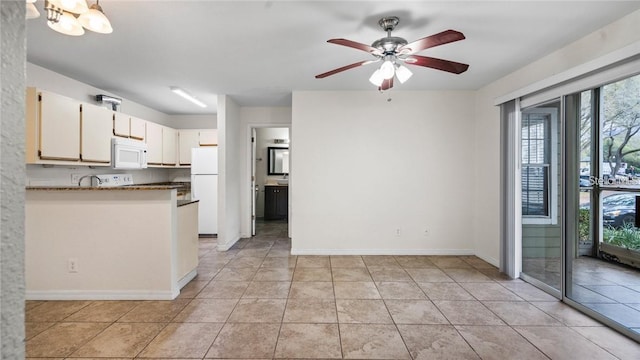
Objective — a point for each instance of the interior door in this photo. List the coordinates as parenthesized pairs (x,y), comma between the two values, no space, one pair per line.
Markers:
(254,187)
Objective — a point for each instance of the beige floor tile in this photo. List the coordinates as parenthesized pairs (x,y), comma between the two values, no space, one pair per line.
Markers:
(415,262)
(612,341)
(267,290)
(371,341)
(478,263)
(351,274)
(280,262)
(54,310)
(223,290)
(120,340)
(495,275)
(528,291)
(245,262)
(311,290)
(362,312)
(499,342)
(311,311)
(103,311)
(239,340)
(490,291)
(428,275)
(415,312)
(565,314)
(312,274)
(559,342)
(62,339)
(182,341)
(445,291)
(400,290)
(356,290)
(467,313)
(435,342)
(235,274)
(192,289)
(346,261)
(521,313)
(155,311)
(30,304)
(258,311)
(388,273)
(32,329)
(253,253)
(380,260)
(206,310)
(275,252)
(467,275)
(274,274)
(313,261)
(448,262)
(317,341)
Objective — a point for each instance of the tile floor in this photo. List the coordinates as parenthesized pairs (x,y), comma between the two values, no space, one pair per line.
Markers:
(256,301)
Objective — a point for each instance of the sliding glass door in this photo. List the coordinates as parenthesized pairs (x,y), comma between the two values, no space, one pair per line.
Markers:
(541,193)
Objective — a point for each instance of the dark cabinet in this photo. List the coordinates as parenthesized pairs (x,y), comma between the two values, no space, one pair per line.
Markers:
(276,202)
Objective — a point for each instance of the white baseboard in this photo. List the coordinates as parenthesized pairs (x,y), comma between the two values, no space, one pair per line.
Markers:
(100,295)
(185,279)
(489,259)
(382,252)
(226,246)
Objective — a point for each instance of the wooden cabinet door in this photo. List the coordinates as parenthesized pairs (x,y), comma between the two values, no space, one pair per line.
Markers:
(187,139)
(120,124)
(95,145)
(137,128)
(154,143)
(59,127)
(282,202)
(169,136)
(270,194)
(208,137)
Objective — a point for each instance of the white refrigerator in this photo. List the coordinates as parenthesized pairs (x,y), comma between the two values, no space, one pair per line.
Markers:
(204,187)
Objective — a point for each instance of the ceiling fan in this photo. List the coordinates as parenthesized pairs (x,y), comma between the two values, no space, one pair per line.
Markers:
(393,51)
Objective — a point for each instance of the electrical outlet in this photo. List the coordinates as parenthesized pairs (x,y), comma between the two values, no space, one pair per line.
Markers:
(72,265)
(398,232)
(75,178)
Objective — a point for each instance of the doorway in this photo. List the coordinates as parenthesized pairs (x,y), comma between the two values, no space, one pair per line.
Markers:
(270,164)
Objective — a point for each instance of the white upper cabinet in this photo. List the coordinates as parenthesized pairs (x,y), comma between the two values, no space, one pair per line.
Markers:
(137,128)
(120,124)
(59,127)
(154,143)
(96,133)
(208,137)
(187,139)
(169,137)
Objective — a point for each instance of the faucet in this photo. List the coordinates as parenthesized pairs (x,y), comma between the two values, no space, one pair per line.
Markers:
(90,177)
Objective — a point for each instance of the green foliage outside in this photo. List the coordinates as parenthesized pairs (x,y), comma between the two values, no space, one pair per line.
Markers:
(583,226)
(627,237)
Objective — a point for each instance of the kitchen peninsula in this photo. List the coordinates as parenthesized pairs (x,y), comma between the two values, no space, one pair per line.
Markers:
(112,243)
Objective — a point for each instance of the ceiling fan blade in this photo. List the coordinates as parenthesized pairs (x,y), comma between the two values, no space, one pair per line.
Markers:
(435,63)
(355,45)
(442,38)
(386,84)
(341,69)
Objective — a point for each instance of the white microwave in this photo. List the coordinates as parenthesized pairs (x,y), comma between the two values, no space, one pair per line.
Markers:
(128,154)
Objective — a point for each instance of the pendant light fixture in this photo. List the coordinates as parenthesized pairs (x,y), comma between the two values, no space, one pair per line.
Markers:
(71,17)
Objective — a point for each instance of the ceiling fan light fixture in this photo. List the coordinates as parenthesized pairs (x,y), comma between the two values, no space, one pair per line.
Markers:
(376,78)
(73,6)
(387,69)
(32,11)
(95,20)
(67,24)
(403,73)
(188,96)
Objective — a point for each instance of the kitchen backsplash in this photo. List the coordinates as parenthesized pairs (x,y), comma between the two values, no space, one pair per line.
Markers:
(37,175)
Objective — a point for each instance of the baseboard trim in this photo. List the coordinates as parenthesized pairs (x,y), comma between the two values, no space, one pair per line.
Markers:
(382,252)
(489,259)
(185,279)
(100,295)
(228,245)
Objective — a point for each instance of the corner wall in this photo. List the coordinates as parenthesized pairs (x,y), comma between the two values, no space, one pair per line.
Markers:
(376,177)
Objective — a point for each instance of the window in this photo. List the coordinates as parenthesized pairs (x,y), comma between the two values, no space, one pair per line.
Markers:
(538,137)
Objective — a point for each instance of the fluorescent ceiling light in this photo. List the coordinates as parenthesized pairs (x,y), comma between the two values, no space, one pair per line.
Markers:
(187,96)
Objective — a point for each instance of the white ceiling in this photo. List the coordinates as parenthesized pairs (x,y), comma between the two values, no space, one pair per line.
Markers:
(258,52)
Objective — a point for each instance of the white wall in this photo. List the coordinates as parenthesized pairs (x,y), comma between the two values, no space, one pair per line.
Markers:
(258,117)
(230,164)
(486,177)
(362,168)
(264,140)
(193,121)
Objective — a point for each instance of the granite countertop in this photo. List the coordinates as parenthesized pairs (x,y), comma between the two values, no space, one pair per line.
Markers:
(186,202)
